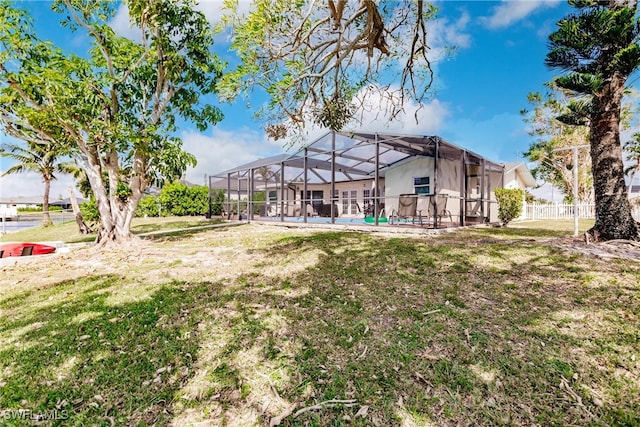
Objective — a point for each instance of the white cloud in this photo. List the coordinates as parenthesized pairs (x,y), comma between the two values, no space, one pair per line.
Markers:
(122,25)
(212,9)
(548,192)
(444,34)
(29,184)
(428,118)
(509,12)
(420,119)
(224,149)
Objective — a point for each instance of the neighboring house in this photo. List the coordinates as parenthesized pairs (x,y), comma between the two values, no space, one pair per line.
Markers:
(518,175)
(344,168)
(634,191)
(66,203)
(9,205)
(21,202)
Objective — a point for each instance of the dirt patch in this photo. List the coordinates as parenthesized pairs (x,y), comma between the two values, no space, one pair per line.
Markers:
(622,249)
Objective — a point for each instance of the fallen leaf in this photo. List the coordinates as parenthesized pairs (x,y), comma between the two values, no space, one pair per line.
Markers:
(362,412)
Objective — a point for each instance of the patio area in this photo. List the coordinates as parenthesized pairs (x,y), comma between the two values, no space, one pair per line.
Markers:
(362,178)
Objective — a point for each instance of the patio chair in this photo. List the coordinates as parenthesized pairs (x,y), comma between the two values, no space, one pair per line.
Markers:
(325,210)
(407,210)
(439,201)
(309,210)
(475,215)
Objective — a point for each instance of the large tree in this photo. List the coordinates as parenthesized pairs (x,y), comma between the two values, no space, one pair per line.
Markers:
(552,137)
(597,47)
(116,106)
(319,60)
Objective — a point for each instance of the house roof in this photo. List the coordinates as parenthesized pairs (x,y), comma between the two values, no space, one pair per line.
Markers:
(67,201)
(355,156)
(523,171)
(22,200)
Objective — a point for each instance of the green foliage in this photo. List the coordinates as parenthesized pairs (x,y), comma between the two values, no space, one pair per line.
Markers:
(89,212)
(114,107)
(39,209)
(258,200)
(598,48)
(509,204)
(598,42)
(148,206)
(176,199)
(217,201)
(179,200)
(550,134)
(632,150)
(530,198)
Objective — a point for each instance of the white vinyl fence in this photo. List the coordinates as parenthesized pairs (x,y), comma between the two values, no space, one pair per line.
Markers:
(534,211)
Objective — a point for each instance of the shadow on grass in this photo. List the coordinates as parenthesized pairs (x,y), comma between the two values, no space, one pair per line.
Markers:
(98,361)
(427,325)
(520,232)
(415,330)
(158,226)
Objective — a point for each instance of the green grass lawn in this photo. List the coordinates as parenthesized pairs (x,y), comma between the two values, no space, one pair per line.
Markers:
(247,325)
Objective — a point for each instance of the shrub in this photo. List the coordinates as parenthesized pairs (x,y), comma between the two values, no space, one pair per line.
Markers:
(217,201)
(148,206)
(179,200)
(89,212)
(509,204)
(52,208)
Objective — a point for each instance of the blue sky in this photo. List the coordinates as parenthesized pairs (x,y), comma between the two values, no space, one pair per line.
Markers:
(475,102)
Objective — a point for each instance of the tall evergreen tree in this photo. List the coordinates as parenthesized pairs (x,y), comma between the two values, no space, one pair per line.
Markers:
(597,47)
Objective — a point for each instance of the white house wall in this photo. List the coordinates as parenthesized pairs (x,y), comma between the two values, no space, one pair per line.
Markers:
(399,180)
(514,179)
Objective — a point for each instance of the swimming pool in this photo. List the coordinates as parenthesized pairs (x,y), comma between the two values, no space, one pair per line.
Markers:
(321,220)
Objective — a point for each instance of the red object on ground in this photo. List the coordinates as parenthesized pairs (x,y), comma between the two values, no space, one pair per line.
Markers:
(17,249)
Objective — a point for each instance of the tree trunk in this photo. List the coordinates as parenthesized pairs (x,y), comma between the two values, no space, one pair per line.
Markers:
(115,214)
(613,211)
(46,218)
(82,227)
(112,228)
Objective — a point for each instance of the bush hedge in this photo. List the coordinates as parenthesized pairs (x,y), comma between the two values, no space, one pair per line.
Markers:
(509,204)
